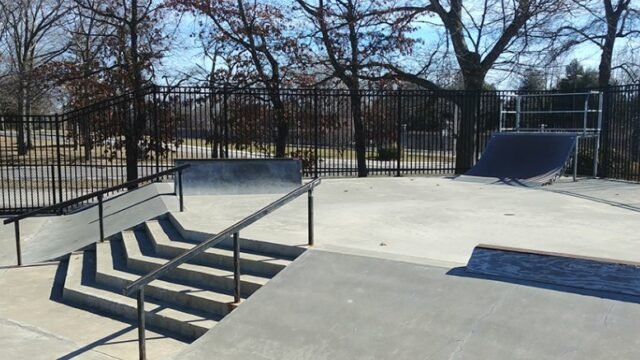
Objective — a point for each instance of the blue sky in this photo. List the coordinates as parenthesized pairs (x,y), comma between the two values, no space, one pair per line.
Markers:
(186,55)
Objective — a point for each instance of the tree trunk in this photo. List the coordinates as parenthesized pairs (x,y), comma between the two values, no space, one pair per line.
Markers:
(282,127)
(467,127)
(359,135)
(136,123)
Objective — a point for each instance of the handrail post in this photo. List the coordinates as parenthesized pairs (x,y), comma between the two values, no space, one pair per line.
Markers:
(101,217)
(310,214)
(142,346)
(180,193)
(18,251)
(236,267)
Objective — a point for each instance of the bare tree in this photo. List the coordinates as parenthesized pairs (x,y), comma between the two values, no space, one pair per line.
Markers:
(30,42)
(264,35)
(484,35)
(605,22)
(354,35)
(134,47)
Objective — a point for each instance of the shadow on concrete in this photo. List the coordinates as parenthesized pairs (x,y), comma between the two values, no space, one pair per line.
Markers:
(495,181)
(88,279)
(597,199)
(462,272)
(3,267)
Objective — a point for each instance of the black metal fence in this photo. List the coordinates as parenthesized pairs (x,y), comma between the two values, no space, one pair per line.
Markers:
(53,158)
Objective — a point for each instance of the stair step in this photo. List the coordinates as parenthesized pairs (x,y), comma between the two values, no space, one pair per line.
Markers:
(109,261)
(198,275)
(80,289)
(260,247)
(169,243)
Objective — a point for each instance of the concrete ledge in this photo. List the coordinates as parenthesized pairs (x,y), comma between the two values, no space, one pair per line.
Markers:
(240,176)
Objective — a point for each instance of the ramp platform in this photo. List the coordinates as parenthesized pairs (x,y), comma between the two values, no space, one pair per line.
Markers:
(335,306)
(533,158)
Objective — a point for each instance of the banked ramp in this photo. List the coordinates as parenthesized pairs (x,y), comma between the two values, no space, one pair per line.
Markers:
(530,158)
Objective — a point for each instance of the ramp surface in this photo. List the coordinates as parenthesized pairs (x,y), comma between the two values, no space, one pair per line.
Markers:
(536,158)
(336,306)
(60,235)
(240,176)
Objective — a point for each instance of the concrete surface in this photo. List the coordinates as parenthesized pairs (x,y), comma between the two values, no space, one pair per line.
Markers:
(336,306)
(622,194)
(434,218)
(49,237)
(35,325)
(240,176)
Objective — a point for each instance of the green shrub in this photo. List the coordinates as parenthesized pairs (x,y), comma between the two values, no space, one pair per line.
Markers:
(388,153)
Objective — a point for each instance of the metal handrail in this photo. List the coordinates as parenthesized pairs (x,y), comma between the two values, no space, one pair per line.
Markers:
(233,230)
(96,194)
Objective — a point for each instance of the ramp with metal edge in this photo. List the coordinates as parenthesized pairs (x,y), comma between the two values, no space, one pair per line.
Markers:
(240,176)
(535,158)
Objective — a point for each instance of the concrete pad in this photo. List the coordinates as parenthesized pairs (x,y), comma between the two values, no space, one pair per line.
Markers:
(431,218)
(54,236)
(337,306)
(34,324)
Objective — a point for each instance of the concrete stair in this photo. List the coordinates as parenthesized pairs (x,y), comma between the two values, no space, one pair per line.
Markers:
(187,301)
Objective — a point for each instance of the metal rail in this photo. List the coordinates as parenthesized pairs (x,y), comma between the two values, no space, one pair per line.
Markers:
(581,133)
(233,230)
(96,194)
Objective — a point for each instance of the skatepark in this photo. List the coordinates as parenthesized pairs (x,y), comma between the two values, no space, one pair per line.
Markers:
(527,255)
(387,267)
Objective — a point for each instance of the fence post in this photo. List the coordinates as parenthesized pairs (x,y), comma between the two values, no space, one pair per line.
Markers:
(236,267)
(142,340)
(399,134)
(225,118)
(310,217)
(58,156)
(156,125)
(316,120)
(101,217)
(18,250)
(180,193)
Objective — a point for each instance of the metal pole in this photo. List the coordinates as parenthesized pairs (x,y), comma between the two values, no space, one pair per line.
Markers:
(236,268)
(575,160)
(59,157)
(596,155)
(518,105)
(585,116)
(316,119)
(101,216)
(399,134)
(18,251)
(180,193)
(501,119)
(310,214)
(142,339)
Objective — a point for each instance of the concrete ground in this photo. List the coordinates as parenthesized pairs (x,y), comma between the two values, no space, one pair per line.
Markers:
(440,219)
(34,324)
(419,220)
(348,307)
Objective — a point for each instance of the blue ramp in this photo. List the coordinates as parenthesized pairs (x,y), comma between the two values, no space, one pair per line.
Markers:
(535,158)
